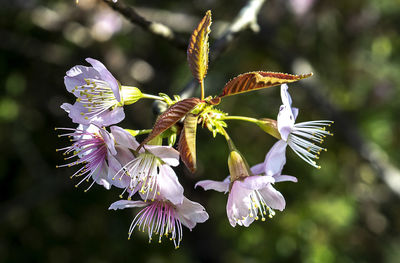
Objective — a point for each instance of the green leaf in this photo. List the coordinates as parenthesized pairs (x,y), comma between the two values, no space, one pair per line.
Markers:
(197,52)
(187,142)
(258,80)
(171,116)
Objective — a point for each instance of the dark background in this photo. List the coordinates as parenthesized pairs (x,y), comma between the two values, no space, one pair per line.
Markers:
(346,212)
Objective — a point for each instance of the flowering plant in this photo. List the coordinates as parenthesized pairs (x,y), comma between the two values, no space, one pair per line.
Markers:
(113,157)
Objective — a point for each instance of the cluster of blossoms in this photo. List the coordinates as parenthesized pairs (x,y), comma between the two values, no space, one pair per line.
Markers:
(111,156)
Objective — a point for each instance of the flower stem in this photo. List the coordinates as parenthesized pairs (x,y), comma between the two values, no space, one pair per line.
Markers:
(153,97)
(228,139)
(202,90)
(241,118)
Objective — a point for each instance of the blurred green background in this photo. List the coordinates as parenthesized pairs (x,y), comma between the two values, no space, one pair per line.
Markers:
(346,212)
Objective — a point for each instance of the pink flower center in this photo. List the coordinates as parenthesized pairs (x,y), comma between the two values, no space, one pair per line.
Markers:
(159,218)
(90,150)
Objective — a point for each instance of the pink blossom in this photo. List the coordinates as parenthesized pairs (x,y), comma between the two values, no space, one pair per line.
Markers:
(147,171)
(100,97)
(250,196)
(301,137)
(163,218)
(94,149)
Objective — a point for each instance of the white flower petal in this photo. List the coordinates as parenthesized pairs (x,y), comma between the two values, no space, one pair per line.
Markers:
(191,213)
(285,96)
(106,76)
(285,121)
(169,186)
(283,178)
(122,204)
(255,182)
(273,198)
(214,185)
(237,207)
(166,153)
(124,138)
(275,159)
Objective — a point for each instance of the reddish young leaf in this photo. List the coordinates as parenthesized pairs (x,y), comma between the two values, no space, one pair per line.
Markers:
(187,142)
(215,101)
(258,80)
(197,52)
(171,116)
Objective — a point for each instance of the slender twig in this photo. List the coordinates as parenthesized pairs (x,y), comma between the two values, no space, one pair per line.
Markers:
(155,28)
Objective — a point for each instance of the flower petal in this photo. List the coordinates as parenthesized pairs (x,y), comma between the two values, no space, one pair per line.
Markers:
(191,213)
(273,198)
(108,140)
(258,169)
(100,176)
(166,153)
(256,182)
(237,207)
(283,178)
(124,138)
(214,185)
(169,186)
(285,96)
(285,121)
(105,119)
(109,117)
(122,204)
(76,77)
(295,112)
(106,76)
(275,159)
(286,117)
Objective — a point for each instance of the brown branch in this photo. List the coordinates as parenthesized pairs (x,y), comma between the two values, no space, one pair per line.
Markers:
(155,28)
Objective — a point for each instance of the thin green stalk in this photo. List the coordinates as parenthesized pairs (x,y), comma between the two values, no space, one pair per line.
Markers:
(154,97)
(228,139)
(241,118)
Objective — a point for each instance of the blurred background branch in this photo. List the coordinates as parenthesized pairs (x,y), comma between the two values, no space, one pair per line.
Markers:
(348,211)
(155,28)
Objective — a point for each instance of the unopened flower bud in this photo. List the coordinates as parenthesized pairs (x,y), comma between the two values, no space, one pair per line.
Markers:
(238,167)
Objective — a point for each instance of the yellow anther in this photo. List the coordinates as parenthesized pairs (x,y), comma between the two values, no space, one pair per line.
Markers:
(120,196)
